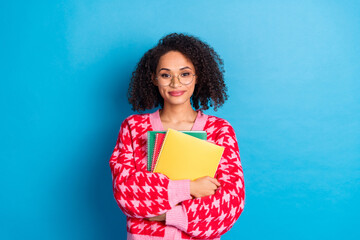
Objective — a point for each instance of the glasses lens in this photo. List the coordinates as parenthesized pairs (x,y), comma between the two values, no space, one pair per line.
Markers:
(186,78)
(165,78)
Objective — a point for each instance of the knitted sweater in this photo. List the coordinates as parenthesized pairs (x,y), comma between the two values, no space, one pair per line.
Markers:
(142,194)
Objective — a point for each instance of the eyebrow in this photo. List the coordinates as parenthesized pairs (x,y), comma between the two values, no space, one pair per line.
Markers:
(170,70)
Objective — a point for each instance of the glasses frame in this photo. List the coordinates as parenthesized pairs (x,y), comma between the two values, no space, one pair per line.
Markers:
(178,77)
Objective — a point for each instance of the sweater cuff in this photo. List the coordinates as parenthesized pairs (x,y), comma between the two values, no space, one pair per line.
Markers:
(178,191)
(177,217)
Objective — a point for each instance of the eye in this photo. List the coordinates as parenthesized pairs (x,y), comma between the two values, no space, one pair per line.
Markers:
(165,75)
(186,74)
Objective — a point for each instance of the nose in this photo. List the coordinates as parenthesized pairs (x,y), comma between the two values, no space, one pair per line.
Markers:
(173,82)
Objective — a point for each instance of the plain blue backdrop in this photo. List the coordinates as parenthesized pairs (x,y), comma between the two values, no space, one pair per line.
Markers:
(292,71)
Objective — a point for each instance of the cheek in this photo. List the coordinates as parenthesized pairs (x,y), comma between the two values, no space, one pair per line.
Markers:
(191,89)
(162,91)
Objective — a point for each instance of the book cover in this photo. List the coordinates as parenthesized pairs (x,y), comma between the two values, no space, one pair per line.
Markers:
(157,147)
(151,135)
(186,157)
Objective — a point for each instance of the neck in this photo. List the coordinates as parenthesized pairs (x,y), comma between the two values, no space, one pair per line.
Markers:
(178,113)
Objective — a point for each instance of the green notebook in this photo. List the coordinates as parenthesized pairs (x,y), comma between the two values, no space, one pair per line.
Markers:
(151,142)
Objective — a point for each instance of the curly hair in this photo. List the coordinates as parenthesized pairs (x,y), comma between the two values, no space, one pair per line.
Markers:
(209,68)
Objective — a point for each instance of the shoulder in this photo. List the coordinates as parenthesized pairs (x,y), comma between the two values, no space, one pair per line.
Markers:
(219,127)
(136,118)
(217,122)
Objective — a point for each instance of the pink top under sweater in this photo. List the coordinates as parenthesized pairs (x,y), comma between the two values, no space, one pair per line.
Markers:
(142,194)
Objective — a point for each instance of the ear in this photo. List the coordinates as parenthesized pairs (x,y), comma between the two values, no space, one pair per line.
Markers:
(153,80)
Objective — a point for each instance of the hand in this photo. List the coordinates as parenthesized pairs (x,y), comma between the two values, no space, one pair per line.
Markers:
(204,186)
(159,218)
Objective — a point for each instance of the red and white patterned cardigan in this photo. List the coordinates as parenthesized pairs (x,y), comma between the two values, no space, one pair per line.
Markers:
(142,194)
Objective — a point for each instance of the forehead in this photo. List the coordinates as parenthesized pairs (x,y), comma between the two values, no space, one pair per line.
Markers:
(174,60)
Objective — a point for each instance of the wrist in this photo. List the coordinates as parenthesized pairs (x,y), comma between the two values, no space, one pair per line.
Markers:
(192,188)
(178,191)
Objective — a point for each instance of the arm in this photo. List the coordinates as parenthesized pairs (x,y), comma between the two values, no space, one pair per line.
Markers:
(212,216)
(141,194)
(201,187)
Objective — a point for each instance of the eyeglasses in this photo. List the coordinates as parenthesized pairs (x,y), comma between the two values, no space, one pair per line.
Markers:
(185,78)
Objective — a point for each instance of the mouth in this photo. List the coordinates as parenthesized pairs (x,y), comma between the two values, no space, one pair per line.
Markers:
(176,93)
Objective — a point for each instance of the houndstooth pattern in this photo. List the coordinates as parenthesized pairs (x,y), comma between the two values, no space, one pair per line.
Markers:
(141,194)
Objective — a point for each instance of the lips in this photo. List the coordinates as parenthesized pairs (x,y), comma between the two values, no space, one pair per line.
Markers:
(176,93)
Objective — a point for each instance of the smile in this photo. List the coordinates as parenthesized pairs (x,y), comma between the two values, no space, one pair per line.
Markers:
(176,93)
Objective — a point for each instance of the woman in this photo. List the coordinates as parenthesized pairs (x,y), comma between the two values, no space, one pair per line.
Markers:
(180,74)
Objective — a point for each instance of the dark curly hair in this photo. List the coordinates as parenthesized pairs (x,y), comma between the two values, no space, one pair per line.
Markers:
(209,68)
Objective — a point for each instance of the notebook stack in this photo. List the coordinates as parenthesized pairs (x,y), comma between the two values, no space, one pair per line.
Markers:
(182,154)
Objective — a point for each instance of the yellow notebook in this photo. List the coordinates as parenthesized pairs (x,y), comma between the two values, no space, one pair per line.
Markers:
(186,157)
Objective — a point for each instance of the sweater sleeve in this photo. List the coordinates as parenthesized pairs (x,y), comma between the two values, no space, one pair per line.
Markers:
(141,194)
(210,217)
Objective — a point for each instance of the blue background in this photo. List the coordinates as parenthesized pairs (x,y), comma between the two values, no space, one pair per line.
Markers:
(292,70)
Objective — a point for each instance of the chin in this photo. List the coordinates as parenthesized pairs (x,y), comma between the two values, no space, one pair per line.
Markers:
(177,101)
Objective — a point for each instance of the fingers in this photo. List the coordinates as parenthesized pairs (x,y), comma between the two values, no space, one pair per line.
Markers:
(204,186)
(214,181)
(158,218)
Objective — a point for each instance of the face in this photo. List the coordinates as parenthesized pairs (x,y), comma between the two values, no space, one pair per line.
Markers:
(175,64)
